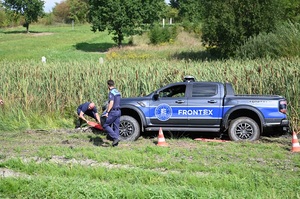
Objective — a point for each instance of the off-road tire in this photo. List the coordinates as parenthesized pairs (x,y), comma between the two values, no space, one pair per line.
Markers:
(243,128)
(129,128)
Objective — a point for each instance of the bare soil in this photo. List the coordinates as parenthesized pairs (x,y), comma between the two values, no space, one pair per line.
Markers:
(41,34)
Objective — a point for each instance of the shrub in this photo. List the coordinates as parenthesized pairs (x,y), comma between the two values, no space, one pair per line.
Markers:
(3,19)
(283,42)
(165,34)
(228,24)
(192,27)
(48,19)
(9,19)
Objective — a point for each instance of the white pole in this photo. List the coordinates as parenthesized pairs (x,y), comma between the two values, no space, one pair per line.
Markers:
(101,60)
(44,59)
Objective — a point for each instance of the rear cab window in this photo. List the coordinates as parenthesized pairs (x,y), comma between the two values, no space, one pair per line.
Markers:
(204,90)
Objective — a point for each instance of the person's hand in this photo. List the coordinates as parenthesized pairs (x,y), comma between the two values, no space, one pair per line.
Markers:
(1,102)
(106,114)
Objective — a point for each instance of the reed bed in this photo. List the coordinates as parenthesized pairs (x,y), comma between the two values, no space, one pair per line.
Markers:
(55,89)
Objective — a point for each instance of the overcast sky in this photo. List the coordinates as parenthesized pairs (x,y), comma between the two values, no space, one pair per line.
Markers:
(49,4)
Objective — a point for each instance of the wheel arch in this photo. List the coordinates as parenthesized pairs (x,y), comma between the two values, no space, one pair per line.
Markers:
(243,111)
(135,113)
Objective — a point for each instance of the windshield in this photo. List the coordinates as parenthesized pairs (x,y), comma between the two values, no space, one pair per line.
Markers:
(149,94)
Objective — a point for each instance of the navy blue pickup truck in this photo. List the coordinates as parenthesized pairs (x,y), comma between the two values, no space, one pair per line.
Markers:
(194,106)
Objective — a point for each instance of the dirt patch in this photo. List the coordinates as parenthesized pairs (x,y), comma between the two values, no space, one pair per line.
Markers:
(60,160)
(41,34)
(4,173)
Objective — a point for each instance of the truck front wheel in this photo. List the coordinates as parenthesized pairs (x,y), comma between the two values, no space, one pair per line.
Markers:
(129,128)
(243,128)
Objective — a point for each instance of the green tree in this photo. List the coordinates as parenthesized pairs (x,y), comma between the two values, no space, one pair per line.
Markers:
(69,10)
(291,10)
(229,23)
(61,11)
(174,4)
(172,13)
(124,18)
(190,10)
(152,10)
(3,17)
(29,9)
(79,10)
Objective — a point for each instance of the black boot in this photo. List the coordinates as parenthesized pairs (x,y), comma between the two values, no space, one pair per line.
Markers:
(115,142)
(109,138)
(78,123)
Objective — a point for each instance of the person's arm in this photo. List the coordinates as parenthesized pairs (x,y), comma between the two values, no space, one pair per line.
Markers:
(109,107)
(98,117)
(82,117)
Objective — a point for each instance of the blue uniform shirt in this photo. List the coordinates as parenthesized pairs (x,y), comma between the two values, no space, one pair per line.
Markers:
(84,108)
(115,95)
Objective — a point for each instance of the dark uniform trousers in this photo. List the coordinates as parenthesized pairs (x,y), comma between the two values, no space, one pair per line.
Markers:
(112,123)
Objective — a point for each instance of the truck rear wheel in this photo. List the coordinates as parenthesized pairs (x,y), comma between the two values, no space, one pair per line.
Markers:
(243,128)
(129,128)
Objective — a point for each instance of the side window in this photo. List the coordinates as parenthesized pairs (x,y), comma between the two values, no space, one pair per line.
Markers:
(204,90)
(174,91)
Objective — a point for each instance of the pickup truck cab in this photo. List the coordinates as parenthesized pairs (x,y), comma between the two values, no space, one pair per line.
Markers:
(194,106)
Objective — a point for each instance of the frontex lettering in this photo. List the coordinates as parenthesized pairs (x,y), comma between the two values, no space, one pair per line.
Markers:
(195,112)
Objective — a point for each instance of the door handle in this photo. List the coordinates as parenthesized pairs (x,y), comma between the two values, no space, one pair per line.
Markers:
(179,101)
(212,101)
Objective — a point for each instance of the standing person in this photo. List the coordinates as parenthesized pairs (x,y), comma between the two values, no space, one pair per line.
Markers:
(87,108)
(113,113)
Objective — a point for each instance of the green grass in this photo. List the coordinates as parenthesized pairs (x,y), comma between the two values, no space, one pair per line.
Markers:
(58,164)
(56,43)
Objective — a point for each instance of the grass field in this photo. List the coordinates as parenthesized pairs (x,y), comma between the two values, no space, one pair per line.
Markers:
(56,43)
(41,156)
(64,164)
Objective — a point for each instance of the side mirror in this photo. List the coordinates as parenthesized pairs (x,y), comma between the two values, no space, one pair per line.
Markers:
(156,96)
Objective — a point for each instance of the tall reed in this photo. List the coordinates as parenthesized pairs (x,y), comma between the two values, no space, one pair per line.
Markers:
(56,89)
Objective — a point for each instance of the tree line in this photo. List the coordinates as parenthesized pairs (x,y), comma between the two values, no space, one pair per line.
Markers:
(224,25)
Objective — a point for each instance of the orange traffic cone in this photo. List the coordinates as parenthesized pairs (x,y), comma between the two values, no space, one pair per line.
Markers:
(161,139)
(295,143)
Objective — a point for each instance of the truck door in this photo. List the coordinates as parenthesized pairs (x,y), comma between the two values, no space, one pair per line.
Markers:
(164,110)
(205,105)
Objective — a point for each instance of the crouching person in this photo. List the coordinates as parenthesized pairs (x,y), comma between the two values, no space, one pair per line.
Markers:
(87,108)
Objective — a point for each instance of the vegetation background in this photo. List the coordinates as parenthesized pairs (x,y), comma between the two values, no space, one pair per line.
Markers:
(74,74)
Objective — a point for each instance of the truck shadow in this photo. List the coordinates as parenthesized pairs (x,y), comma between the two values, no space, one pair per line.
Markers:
(269,137)
(181,135)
